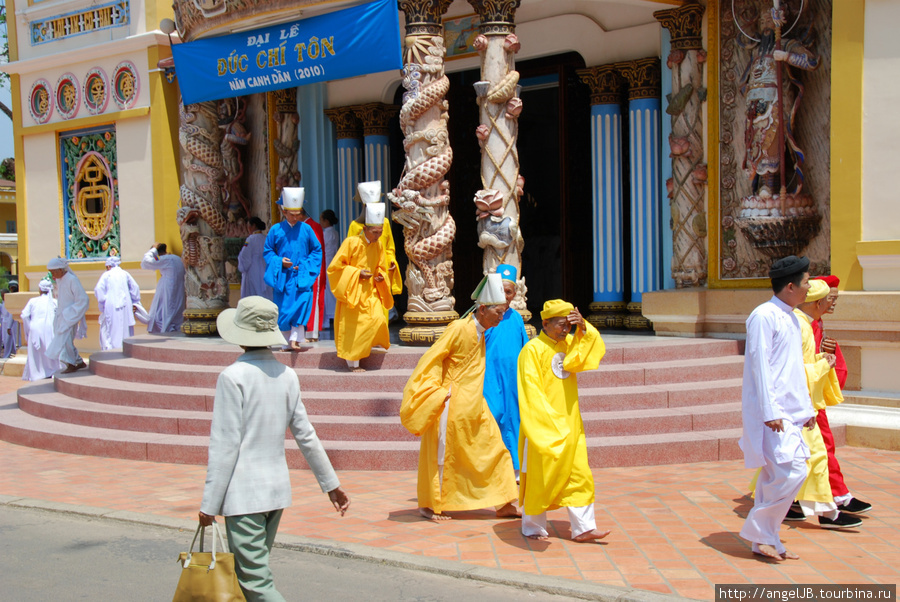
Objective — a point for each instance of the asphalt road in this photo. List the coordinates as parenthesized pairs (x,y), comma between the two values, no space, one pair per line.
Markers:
(55,556)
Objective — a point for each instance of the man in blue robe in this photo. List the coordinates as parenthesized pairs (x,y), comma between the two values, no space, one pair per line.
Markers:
(293,259)
(503,344)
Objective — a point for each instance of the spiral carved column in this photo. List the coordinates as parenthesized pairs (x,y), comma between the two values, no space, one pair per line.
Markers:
(201,219)
(421,200)
(687,188)
(497,204)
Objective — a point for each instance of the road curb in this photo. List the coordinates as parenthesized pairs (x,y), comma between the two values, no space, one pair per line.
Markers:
(451,568)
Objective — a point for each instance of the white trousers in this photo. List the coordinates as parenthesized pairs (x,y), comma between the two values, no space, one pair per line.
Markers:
(352,363)
(581,519)
(826,509)
(776,489)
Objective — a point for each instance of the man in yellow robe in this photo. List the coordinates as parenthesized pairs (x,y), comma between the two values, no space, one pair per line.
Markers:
(552,445)
(370,192)
(361,276)
(463,464)
(815,496)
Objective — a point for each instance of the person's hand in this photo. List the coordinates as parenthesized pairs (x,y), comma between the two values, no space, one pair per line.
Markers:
(780,55)
(831,359)
(286,263)
(811,423)
(829,345)
(365,274)
(339,499)
(9,331)
(206,520)
(775,425)
(379,278)
(575,319)
(392,267)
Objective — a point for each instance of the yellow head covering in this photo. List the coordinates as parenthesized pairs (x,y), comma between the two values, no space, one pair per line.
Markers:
(818,289)
(556,308)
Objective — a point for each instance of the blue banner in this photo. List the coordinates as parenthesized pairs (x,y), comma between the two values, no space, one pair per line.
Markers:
(346,43)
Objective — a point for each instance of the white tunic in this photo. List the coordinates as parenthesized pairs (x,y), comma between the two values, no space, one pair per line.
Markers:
(117,293)
(72,305)
(37,320)
(332,244)
(167,309)
(252,267)
(8,340)
(774,384)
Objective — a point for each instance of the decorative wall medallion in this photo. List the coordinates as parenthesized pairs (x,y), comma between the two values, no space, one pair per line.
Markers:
(68,95)
(40,101)
(126,85)
(96,91)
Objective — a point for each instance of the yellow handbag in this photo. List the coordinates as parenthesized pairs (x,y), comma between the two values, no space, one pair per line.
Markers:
(207,576)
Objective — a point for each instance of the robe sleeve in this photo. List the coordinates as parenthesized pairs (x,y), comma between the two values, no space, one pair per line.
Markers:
(425,393)
(840,366)
(26,317)
(275,275)
(391,285)
(224,443)
(312,265)
(150,260)
(134,290)
(584,350)
(343,276)
(244,258)
(313,451)
(390,251)
(100,292)
(540,423)
(757,352)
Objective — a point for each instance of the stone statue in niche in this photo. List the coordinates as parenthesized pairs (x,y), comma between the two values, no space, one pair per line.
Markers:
(778,216)
(234,136)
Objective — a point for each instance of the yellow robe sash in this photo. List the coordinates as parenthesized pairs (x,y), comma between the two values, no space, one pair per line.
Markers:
(555,471)
(478,471)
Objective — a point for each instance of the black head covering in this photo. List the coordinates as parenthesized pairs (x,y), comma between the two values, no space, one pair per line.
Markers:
(788,266)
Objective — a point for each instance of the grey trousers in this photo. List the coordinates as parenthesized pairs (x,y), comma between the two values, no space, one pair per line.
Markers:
(250,539)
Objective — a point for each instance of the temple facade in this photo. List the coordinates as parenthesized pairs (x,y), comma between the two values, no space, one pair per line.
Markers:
(646,159)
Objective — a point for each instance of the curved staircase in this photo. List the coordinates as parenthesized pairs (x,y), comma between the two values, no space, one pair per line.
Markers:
(652,401)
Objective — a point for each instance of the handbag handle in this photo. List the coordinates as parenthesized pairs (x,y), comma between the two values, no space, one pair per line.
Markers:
(217,534)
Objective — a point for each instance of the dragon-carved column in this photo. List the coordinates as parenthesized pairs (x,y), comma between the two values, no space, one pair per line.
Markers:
(609,305)
(643,77)
(687,187)
(375,117)
(201,218)
(422,197)
(497,203)
(350,156)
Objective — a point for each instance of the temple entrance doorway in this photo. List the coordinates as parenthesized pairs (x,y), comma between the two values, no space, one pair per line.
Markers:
(555,160)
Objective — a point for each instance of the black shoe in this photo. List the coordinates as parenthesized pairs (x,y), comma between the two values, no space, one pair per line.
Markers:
(855,506)
(843,521)
(794,514)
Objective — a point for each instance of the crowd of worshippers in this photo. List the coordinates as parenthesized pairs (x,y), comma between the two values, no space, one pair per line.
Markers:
(792,372)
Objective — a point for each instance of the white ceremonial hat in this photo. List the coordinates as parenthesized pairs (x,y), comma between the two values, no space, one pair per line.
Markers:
(45,286)
(292,198)
(375,214)
(113,260)
(57,263)
(369,192)
(490,291)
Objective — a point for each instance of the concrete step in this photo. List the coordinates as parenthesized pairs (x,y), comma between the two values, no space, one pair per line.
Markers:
(867,426)
(881,399)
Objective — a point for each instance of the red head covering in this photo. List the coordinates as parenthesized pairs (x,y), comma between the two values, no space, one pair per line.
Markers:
(831,281)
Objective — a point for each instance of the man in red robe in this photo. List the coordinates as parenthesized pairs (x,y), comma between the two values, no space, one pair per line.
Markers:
(317,315)
(842,496)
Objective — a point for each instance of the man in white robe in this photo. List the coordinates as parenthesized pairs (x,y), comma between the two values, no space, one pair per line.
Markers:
(8,328)
(37,321)
(117,296)
(72,305)
(251,264)
(167,309)
(776,406)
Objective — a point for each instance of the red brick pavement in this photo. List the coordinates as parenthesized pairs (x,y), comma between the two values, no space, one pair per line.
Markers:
(674,528)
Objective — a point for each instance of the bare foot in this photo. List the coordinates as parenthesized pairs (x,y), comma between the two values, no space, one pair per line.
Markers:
(357,369)
(789,556)
(432,515)
(538,537)
(295,345)
(767,551)
(590,536)
(508,511)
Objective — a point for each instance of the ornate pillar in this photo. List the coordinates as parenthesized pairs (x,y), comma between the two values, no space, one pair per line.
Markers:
(422,197)
(689,174)
(375,117)
(350,160)
(201,218)
(497,204)
(609,305)
(643,77)
(285,142)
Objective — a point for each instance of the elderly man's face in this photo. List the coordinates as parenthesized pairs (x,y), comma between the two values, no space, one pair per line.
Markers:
(509,289)
(57,273)
(292,216)
(373,233)
(490,315)
(557,328)
(832,298)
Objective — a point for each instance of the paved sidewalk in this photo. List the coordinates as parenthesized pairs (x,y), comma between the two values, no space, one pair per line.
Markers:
(674,527)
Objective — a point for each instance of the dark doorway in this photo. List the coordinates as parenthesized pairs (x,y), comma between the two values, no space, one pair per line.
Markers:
(554,158)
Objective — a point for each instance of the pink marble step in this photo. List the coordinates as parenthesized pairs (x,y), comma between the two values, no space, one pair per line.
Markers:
(662,420)
(100,389)
(21,428)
